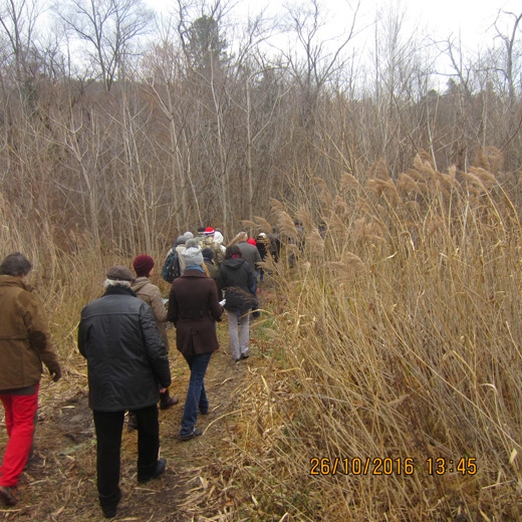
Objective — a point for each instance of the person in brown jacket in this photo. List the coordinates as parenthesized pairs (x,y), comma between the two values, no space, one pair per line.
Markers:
(150,293)
(194,309)
(25,343)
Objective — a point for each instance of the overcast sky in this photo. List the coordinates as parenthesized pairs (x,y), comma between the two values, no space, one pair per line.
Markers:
(470,18)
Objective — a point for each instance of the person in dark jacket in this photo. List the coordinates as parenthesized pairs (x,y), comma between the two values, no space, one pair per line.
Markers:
(127,365)
(25,343)
(237,281)
(212,268)
(194,309)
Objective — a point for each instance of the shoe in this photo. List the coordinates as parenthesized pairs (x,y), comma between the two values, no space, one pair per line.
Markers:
(196,432)
(109,513)
(244,356)
(171,401)
(160,469)
(204,412)
(8,495)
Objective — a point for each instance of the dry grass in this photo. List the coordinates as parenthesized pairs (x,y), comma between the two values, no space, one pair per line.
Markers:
(395,336)
(398,337)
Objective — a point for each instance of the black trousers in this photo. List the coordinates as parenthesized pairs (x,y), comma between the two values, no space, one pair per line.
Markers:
(109,426)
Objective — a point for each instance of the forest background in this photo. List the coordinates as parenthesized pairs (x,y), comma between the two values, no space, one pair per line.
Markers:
(397,335)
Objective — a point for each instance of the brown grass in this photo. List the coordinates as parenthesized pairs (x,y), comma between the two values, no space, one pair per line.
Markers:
(395,336)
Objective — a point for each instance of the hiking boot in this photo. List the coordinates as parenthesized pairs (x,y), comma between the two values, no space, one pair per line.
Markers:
(196,432)
(8,495)
(160,469)
(171,401)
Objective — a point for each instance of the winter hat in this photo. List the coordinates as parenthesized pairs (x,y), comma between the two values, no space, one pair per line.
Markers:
(192,256)
(181,240)
(252,241)
(143,264)
(208,254)
(120,273)
(191,243)
(188,234)
(209,231)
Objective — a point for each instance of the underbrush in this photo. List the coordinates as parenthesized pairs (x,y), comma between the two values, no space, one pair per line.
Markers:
(384,382)
(396,393)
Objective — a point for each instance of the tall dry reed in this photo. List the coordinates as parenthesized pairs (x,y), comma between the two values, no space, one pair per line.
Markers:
(399,338)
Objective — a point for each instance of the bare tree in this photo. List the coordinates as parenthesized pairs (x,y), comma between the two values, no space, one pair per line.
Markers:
(108,28)
(18,20)
(511,54)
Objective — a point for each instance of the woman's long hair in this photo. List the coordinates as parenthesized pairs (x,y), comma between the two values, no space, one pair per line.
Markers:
(232,250)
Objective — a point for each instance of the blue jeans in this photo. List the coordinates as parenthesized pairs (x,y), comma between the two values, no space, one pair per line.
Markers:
(196,395)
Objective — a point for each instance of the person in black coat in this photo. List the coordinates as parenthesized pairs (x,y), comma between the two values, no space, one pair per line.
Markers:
(127,368)
(237,281)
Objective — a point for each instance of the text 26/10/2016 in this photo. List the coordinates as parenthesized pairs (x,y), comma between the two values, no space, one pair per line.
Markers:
(391,466)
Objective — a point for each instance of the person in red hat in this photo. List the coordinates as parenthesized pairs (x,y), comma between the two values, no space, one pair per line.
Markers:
(150,293)
(208,241)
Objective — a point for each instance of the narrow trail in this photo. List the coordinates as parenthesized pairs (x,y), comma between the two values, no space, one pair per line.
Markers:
(59,482)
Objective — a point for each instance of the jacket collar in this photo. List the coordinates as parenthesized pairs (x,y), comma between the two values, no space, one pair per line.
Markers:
(8,280)
(119,290)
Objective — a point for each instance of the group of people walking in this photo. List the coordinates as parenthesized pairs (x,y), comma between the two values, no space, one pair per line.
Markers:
(123,337)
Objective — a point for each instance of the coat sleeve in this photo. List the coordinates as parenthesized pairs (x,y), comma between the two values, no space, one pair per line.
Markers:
(156,303)
(37,325)
(173,310)
(154,346)
(251,279)
(215,308)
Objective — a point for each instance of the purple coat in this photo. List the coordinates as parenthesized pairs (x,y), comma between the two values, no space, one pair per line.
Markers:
(194,309)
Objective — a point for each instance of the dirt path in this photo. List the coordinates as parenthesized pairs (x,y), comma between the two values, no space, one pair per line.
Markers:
(59,483)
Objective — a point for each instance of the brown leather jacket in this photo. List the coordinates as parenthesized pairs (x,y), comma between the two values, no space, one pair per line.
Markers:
(25,340)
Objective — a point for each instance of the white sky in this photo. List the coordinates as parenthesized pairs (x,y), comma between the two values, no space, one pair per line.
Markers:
(470,18)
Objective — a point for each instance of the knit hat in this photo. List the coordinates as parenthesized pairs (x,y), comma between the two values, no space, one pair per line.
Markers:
(209,231)
(181,240)
(143,264)
(252,241)
(208,254)
(192,256)
(120,273)
(188,234)
(191,243)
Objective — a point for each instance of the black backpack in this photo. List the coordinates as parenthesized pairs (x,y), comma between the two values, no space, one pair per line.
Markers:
(171,269)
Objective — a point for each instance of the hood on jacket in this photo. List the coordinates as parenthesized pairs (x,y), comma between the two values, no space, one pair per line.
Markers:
(218,237)
(139,283)
(234,262)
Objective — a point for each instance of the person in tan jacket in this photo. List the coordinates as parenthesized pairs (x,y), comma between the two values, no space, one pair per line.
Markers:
(150,293)
(25,343)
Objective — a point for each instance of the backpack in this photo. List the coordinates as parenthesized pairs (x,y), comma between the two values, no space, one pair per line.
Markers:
(171,269)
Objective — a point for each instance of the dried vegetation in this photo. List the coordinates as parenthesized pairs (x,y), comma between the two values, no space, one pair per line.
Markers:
(394,335)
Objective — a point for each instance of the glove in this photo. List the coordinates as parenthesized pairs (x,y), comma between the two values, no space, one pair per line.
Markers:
(56,372)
